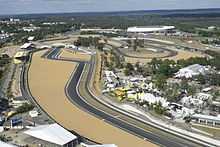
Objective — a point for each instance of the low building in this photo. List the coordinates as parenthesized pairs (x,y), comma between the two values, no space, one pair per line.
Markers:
(206,119)
(45,47)
(192,70)
(211,28)
(149,29)
(204,96)
(200,100)
(207,89)
(30,29)
(100,30)
(3,144)
(71,46)
(27,46)
(179,111)
(17,102)
(103,145)
(58,45)
(111,80)
(151,99)
(53,134)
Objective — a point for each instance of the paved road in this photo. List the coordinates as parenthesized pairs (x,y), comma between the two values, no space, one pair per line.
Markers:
(72,92)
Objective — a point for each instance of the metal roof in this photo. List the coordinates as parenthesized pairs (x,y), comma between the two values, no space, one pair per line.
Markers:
(3,144)
(26,45)
(103,145)
(53,133)
(149,29)
(206,117)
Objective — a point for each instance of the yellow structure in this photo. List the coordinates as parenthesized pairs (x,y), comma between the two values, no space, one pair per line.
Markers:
(19,56)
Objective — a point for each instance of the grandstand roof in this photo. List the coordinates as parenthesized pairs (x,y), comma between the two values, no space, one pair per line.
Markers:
(146,29)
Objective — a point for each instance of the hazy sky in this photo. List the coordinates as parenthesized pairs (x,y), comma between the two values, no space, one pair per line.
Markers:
(53,6)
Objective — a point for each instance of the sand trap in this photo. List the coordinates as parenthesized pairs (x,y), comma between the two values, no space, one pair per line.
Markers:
(47,80)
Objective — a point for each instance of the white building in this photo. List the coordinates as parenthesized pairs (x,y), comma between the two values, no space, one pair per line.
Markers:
(151,99)
(192,70)
(54,134)
(199,100)
(110,79)
(14,20)
(59,45)
(30,29)
(179,111)
(103,145)
(3,144)
(206,119)
(26,46)
(149,29)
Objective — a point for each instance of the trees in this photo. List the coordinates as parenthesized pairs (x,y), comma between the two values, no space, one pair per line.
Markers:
(160,81)
(201,79)
(100,46)
(192,90)
(158,108)
(172,92)
(127,72)
(89,41)
(135,44)
(24,108)
(166,67)
(129,68)
(214,79)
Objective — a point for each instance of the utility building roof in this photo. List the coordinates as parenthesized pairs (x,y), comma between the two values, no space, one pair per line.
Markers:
(52,133)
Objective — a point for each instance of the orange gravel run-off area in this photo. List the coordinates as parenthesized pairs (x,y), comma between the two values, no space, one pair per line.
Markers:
(47,80)
(66,53)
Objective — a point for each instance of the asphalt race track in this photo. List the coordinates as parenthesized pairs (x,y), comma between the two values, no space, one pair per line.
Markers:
(73,94)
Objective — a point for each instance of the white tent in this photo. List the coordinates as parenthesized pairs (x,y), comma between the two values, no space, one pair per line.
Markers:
(192,70)
(31,38)
(3,144)
(52,133)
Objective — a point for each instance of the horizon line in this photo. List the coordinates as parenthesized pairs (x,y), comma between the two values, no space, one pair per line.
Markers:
(122,11)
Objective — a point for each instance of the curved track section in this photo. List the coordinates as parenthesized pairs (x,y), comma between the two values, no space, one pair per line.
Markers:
(76,117)
(72,92)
